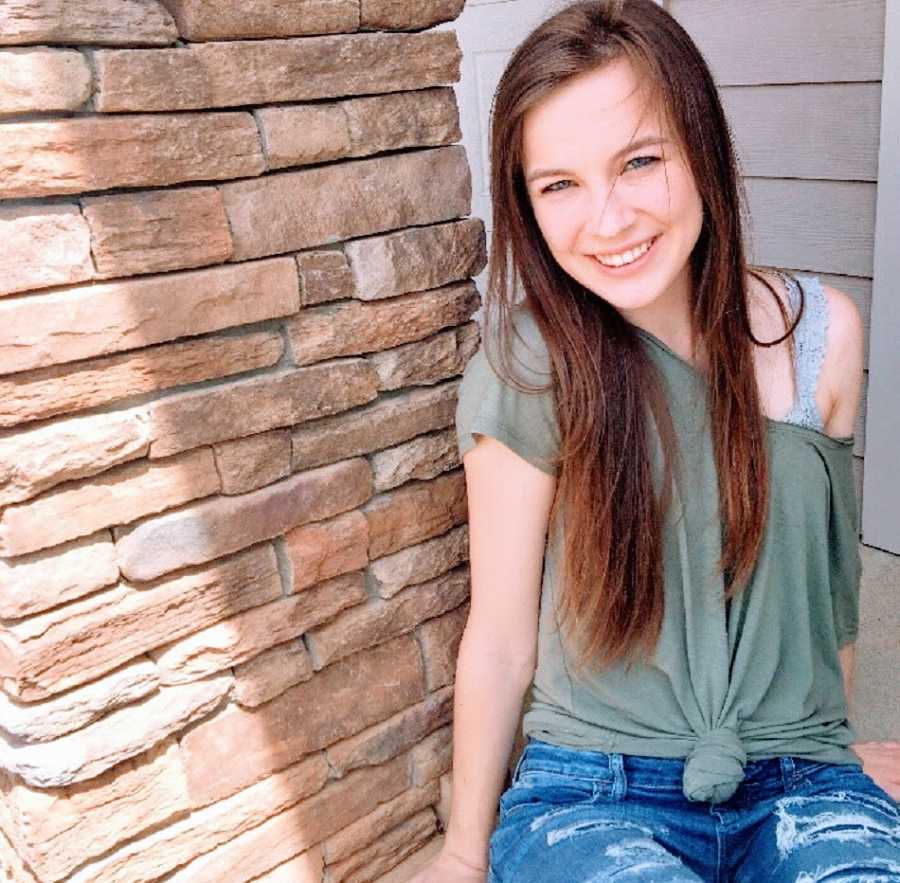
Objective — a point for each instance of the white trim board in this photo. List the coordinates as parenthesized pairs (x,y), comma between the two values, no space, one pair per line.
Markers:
(881,485)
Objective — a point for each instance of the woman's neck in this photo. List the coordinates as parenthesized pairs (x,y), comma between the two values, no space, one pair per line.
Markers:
(669,318)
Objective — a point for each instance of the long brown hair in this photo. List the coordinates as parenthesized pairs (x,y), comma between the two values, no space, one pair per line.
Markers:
(606,388)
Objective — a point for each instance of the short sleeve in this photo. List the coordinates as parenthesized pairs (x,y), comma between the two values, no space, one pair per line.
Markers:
(845,563)
(524,422)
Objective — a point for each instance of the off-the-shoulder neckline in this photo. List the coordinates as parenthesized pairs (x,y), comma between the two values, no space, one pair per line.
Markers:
(815,435)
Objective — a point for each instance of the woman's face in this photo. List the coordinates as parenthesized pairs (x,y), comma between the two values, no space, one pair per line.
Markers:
(612,193)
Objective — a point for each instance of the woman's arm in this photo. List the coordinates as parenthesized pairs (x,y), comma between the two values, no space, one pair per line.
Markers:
(509,507)
(487,710)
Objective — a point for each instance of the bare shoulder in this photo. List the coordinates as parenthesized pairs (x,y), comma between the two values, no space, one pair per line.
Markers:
(842,370)
(845,325)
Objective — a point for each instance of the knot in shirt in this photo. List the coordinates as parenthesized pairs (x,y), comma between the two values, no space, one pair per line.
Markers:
(714,767)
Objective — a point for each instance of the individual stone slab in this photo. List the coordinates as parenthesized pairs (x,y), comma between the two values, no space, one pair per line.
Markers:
(303,134)
(407,14)
(247,407)
(246,464)
(326,549)
(417,259)
(240,746)
(324,276)
(76,386)
(272,843)
(422,562)
(39,79)
(43,721)
(36,582)
(403,119)
(424,457)
(101,22)
(304,868)
(385,422)
(114,316)
(418,511)
(377,823)
(213,528)
(43,245)
(208,20)
(34,460)
(370,624)
(82,154)
(119,496)
(120,735)
(266,676)
(74,644)
(161,230)
(57,829)
(387,739)
(427,361)
(468,337)
(161,851)
(440,639)
(285,212)
(242,637)
(352,327)
(387,851)
(253,72)
(433,756)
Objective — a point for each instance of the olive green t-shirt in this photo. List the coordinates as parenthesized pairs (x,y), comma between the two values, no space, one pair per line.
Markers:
(729,683)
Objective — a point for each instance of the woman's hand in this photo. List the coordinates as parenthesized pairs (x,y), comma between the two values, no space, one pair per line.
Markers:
(881,761)
(450,868)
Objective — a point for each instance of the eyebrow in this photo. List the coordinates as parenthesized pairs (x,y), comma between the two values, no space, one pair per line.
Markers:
(649,141)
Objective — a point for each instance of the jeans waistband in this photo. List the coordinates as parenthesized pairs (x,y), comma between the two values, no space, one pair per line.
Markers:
(775,774)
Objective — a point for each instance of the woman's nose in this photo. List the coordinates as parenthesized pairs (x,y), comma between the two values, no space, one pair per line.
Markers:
(610,212)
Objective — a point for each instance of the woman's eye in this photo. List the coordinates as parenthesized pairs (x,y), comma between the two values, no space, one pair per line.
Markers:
(641,162)
(554,187)
(638,162)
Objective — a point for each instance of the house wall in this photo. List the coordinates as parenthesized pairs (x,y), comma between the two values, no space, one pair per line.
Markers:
(881,515)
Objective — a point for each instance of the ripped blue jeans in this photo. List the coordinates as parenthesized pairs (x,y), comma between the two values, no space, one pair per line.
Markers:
(578,816)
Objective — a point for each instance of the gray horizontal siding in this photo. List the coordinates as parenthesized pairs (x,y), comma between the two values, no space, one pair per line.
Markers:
(747,42)
(817,131)
(821,226)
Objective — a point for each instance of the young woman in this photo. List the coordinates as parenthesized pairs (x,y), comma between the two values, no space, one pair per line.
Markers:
(658,455)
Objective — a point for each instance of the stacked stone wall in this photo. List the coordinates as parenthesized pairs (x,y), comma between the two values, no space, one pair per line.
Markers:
(235,302)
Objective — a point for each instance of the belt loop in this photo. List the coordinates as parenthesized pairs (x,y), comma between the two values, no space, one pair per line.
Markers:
(620,782)
(788,772)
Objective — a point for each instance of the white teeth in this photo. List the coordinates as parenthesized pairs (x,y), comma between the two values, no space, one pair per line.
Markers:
(626,257)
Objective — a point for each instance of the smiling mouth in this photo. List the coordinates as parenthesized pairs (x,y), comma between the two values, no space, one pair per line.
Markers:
(625,258)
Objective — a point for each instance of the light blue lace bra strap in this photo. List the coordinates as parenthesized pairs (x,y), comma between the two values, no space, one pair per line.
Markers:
(809,344)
